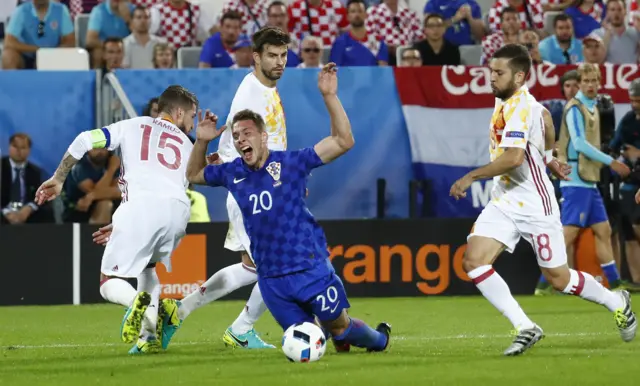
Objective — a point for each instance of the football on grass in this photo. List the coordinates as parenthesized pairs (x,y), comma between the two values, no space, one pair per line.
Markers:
(304,342)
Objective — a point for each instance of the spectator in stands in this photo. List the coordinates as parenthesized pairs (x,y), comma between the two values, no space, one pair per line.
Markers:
(396,24)
(410,57)
(463,19)
(179,21)
(587,15)
(357,47)
(435,50)
(321,18)
(509,34)
(163,56)
(593,50)
(531,40)
(151,109)
(91,192)
(20,180)
(562,47)
(277,17)
(529,11)
(253,13)
(139,46)
(33,25)
(568,89)
(620,42)
(109,19)
(311,52)
(217,50)
(113,54)
(243,53)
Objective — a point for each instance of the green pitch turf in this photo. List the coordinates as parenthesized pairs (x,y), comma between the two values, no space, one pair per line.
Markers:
(436,341)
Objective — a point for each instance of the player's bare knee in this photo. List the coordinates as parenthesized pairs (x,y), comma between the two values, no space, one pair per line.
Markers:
(570,234)
(602,231)
(558,277)
(338,326)
(101,213)
(246,260)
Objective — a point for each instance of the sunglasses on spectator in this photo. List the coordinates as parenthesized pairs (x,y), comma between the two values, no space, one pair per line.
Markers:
(314,50)
(41,29)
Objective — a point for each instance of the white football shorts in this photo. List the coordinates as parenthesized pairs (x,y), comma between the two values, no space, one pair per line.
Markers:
(237,239)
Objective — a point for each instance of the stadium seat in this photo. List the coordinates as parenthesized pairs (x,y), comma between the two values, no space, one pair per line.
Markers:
(471,55)
(189,57)
(548,21)
(62,59)
(81,26)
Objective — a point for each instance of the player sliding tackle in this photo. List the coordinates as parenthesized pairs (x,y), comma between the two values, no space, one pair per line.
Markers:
(522,205)
(288,246)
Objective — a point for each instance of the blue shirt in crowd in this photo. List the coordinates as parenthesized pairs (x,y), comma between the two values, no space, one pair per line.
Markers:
(27,28)
(215,54)
(348,51)
(460,32)
(107,23)
(551,51)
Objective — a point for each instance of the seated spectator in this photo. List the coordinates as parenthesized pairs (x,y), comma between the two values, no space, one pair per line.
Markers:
(217,50)
(163,56)
(326,18)
(509,34)
(311,52)
(109,19)
(20,181)
(91,191)
(562,47)
(357,47)
(410,57)
(178,21)
(593,49)
(531,40)
(253,13)
(151,109)
(435,50)
(463,19)
(199,209)
(587,15)
(277,17)
(620,42)
(36,24)
(113,54)
(140,45)
(243,53)
(568,88)
(396,24)
(530,14)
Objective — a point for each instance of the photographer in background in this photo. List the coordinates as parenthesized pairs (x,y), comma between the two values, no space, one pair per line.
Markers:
(626,142)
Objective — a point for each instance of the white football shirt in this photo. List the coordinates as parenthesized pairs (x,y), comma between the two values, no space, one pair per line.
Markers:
(525,190)
(263,100)
(153,158)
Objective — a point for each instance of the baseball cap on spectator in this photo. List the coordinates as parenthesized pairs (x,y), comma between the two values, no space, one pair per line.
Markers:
(243,41)
(593,37)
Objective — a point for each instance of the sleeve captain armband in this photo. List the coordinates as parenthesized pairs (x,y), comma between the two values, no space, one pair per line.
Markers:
(100,138)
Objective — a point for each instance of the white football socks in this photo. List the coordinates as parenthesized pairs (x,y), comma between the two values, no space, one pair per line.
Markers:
(497,292)
(220,284)
(251,313)
(584,285)
(148,282)
(117,291)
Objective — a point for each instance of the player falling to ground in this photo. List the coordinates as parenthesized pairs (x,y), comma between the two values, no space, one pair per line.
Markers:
(154,212)
(258,93)
(522,206)
(582,205)
(295,275)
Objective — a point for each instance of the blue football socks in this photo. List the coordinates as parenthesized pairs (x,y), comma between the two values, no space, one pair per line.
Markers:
(360,335)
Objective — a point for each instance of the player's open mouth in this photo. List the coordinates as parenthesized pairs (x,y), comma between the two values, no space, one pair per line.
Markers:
(247,152)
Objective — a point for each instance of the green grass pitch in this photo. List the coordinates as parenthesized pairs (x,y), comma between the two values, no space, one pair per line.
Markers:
(435,341)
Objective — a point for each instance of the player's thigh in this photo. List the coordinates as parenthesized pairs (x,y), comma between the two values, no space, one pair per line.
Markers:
(492,233)
(546,236)
(131,245)
(575,206)
(278,297)
(173,223)
(325,297)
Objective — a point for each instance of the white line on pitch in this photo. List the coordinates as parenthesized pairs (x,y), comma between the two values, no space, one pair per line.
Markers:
(405,338)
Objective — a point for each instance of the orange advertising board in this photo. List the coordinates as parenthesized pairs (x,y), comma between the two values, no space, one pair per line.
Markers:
(189,268)
(585,256)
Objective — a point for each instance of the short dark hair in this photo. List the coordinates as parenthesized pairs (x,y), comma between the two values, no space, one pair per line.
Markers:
(176,96)
(147,109)
(508,10)
(432,16)
(139,8)
(231,15)
(276,4)
(273,36)
(24,136)
(518,56)
(567,76)
(559,18)
(248,115)
(112,39)
(356,2)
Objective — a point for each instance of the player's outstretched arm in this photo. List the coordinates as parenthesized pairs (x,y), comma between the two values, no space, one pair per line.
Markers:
(205,133)
(341,139)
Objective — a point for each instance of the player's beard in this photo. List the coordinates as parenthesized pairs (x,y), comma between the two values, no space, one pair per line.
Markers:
(507,92)
(271,75)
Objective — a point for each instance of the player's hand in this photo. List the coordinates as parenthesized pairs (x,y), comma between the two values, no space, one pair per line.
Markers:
(49,190)
(102,235)
(207,126)
(630,152)
(459,188)
(328,79)
(559,169)
(214,159)
(620,168)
